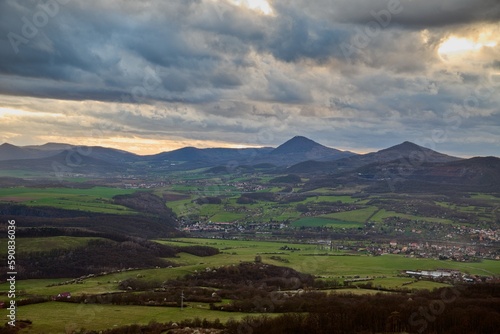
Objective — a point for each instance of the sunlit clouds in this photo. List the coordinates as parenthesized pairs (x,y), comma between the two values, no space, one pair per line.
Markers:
(260,6)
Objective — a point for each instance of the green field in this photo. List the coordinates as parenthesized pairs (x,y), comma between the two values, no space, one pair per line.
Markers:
(24,245)
(305,258)
(60,317)
(54,317)
(324,222)
(96,199)
(332,198)
(311,259)
(382,214)
(358,216)
(216,213)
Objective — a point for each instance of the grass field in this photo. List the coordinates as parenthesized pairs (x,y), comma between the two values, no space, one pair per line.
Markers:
(357,216)
(24,245)
(326,222)
(59,317)
(263,211)
(311,259)
(333,199)
(382,214)
(97,199)
(216,213)
(22,174)
(304,258)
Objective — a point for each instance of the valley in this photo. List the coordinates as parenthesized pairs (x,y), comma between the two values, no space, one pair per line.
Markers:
(207,238)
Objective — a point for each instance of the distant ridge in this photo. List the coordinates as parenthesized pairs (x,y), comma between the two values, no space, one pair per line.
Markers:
(298,155)
(406,151)
(412,151)
(65,162)
(12,152)
(50,147)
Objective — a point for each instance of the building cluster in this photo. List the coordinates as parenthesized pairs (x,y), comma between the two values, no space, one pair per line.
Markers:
(228,227)
(445,275)
(248,186)
(144,185)
(455,251)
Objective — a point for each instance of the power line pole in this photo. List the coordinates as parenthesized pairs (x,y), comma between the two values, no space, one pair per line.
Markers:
(182,300)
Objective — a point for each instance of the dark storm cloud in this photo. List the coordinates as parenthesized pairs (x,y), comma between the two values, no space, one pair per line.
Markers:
(407,13)
(195,48)
(106,52)
(296,36)
(365,71)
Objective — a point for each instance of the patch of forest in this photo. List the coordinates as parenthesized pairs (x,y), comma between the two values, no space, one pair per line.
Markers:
(102,256)
(255,274)
(112,252)
(96,257)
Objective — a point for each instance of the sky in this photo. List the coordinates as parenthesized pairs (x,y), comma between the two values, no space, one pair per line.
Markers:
(150,76)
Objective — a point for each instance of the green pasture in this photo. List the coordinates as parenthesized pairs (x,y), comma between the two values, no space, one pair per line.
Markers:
(25,174)
(483,212)
(322,221)
(230,211)
(427,285)
(217,213)
(485,196)
(383,214)
(314,260)
(357,216)
(183,188)
(96,199)
(25,245)
(355,291)
(332,199)
(42,287)
(308,258)
(304,258)
(182,207)
(321,191)
(60,317)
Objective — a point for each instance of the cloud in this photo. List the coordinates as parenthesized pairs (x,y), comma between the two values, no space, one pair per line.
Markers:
(407,13)
(346,73)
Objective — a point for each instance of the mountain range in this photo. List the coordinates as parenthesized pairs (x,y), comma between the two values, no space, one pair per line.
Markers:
(295,150)
(299,155)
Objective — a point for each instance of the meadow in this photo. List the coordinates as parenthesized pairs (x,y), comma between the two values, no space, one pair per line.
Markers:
(25,245)
(314,259)
(355,210)
(305,258)
(326,222)
(53,317)
(95,199)
(58,317)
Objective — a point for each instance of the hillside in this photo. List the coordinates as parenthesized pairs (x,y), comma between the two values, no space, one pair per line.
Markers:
(300,149)
(65,162)
(406,153)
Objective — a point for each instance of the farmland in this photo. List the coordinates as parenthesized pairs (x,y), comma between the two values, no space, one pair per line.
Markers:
(95,199)
(302,257)
(56,317)
(384,272)
(346,241)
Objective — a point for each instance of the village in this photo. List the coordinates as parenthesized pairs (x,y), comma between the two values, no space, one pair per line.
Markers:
(482,244)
